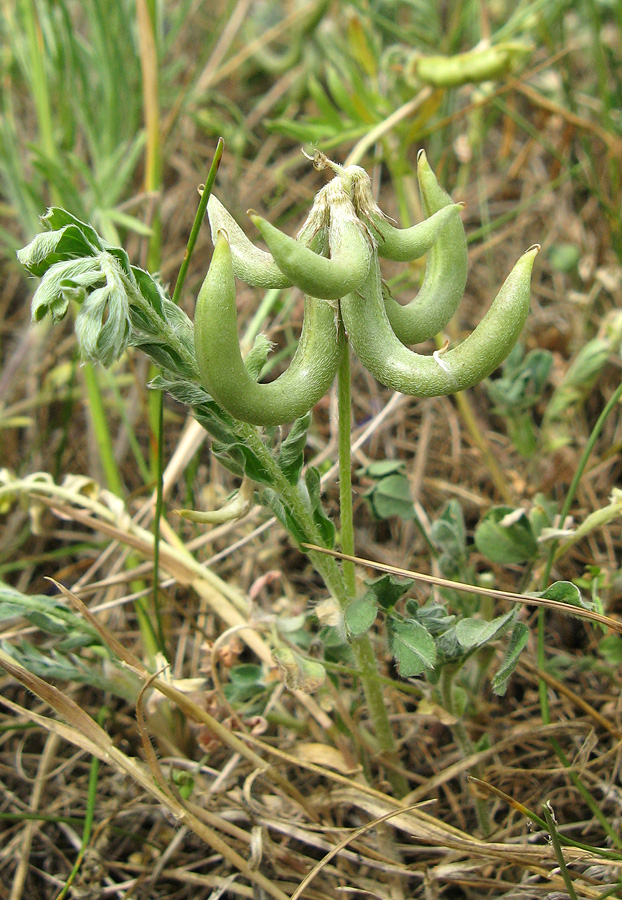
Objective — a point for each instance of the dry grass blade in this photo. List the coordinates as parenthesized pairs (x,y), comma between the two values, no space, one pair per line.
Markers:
(19,880)
(150,754)
(187,706)
(306,881)
(537,859)
(566,608)
(99,743)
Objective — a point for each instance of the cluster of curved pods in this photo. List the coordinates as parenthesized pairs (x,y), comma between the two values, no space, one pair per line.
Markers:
(335,261)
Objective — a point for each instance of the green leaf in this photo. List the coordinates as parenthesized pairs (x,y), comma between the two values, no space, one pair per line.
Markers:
(564,257)
(239,455)
(310,491)
(330,114)
(245,683)
(291,453)
(476,633)
(392,497)
(284,515)
(341,95)
(57,218)
(522,382)
(412,645)
(103,324)
(256,358)
(448,534)
(325,525)
(360,615)
(388,589)
(610,648)
(381,468)
(518,640)
(61,283)
(206,411)
(504,535)
(565,592)
(149,287)
(50,248)
(432,615)
(47,613)
(448,647)
(542,514)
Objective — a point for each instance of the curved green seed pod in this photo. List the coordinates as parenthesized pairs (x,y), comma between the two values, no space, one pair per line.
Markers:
(394,365)
(350,250)
(483,64)
(221,367)
(400,244)
(406,244)
(250,264)
(445,272)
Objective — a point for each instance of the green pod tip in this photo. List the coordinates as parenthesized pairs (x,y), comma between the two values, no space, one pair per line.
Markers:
(394,365)
(318,276)
(250,264)
(446,265)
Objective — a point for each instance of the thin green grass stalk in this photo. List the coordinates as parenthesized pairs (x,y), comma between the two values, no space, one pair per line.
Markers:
(155,595)
(610,892)
(559,855)
(89,816)
(181,277)
(446,685)
(60,553)
(149,64)
(198,220)
(545,711)
(131,434)
(101,431)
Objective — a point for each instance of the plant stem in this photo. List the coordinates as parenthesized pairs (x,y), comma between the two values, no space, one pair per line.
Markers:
(334,579)
(462,739)
(344,406)
(361,646)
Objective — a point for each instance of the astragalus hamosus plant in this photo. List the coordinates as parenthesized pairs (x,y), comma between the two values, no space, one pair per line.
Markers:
(335,261)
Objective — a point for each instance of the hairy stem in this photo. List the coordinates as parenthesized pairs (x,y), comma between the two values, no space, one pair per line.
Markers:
(462,739)
(333,577)
(361,646)
(344,402)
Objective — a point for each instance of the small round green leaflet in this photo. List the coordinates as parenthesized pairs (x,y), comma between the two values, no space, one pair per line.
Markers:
(412,645)
(360,615)
(505,535)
